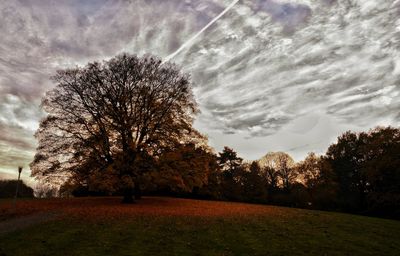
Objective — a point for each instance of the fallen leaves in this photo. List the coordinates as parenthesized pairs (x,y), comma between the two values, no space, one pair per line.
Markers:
(109,208)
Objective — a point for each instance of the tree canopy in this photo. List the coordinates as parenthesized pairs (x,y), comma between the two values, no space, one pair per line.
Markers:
(278,167)
(367,167)
(103,117)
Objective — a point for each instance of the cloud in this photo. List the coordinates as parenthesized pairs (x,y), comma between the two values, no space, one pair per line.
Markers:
(40,37)
(289,15)
(257,71)
(342,63)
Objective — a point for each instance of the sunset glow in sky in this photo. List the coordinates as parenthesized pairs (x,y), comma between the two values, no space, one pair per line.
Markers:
(269,75)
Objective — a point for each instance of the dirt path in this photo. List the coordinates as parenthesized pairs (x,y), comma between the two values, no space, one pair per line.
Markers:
(19,223)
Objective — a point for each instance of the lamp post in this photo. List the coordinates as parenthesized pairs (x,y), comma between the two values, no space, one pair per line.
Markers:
(16,191)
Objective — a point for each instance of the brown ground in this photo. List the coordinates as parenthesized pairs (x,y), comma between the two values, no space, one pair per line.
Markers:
(111,208)
(35,211)
(22,222)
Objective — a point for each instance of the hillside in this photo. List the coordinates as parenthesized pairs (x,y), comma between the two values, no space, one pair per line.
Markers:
(168,226)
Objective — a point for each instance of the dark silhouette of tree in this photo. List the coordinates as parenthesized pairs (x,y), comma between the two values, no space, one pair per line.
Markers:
(213,189)
(382,170)
(231,174)
(297,196)
(228,160)
(367,166)
(346,160)
(7,189)
(103,116)
(319,181)
(326,191)
(271,178)
(254,187)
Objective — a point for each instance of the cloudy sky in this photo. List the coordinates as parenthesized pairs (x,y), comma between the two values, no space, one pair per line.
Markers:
(269,75)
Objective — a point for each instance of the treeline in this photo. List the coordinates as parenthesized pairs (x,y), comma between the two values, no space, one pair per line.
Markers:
(124,126)
(40,190)
(8,189)
(360,173)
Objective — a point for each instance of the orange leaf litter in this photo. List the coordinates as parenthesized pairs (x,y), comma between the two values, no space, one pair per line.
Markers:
(111,208)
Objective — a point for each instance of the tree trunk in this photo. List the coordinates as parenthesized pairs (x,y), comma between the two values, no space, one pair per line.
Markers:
(138,192)
(128,196)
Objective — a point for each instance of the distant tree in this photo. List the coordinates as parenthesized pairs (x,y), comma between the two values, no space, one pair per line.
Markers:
(213,189)
(231,166)
(279,165)
(367,168)
(8,188)
(254,188)
(103,116)
(318,179)
(346,159)
(271,178)
(229,161)
(310,170)
(325,195)
(286,170)
(381,168)
(298,196)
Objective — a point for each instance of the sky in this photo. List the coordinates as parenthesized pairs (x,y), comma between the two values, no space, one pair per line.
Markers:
(269,75)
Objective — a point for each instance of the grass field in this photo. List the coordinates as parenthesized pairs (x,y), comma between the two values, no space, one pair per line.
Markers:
(166,226)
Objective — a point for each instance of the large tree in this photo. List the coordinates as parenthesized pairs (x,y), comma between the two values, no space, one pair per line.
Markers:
(102,118)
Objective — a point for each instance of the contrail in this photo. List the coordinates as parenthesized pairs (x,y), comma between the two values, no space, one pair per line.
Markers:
(188,42)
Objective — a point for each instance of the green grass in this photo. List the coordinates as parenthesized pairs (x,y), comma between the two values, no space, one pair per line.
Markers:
(302,233)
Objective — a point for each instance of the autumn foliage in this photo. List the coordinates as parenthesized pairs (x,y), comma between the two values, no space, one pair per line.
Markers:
(108,122)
